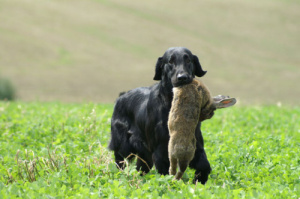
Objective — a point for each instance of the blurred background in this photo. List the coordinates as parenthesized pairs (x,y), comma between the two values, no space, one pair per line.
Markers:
(90,50)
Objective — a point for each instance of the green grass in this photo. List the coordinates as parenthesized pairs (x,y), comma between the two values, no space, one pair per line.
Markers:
(59,150)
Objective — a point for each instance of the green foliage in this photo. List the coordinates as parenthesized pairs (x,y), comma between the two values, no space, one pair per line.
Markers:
(54,150)
(7,91)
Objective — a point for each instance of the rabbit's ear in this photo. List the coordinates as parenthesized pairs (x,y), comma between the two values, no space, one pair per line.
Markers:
(225,102)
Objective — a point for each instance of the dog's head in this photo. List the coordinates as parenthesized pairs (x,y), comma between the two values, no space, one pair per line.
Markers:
(179,66)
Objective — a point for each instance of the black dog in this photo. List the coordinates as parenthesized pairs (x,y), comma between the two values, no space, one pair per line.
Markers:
(139,121)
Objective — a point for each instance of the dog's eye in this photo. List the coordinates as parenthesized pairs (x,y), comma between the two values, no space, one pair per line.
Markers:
(186,59)
(171,61)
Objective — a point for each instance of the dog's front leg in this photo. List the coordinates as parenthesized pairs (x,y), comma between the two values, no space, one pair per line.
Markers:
(201,165)
(161,160)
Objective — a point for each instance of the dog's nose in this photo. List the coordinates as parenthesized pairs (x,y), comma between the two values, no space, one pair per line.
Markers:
(182,77)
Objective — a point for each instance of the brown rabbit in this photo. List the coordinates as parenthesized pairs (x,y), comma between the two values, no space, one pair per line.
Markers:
(191,103)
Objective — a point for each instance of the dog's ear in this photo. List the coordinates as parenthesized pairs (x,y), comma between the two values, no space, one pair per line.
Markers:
(198,69)
(158,69)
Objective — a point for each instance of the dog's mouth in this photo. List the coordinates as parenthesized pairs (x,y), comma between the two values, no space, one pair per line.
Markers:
(182,82)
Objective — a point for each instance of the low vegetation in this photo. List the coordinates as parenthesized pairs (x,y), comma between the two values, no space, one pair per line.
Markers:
(55,150)
(7,90)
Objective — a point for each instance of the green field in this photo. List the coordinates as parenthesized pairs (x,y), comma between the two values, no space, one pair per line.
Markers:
(70,59)
(90,50)
(58,150)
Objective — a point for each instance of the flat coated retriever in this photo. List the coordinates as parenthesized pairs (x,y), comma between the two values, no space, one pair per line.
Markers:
(140,117)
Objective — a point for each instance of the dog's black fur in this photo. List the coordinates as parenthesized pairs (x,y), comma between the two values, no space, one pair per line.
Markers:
(140,117)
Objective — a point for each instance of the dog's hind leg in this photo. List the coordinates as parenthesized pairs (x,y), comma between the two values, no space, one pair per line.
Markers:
(121,154)
(120,142)
(182,165)
(119,160)
(143,155)
(144,162)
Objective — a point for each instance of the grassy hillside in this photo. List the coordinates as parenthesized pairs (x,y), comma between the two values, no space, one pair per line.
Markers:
(55,150)
(91,50)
